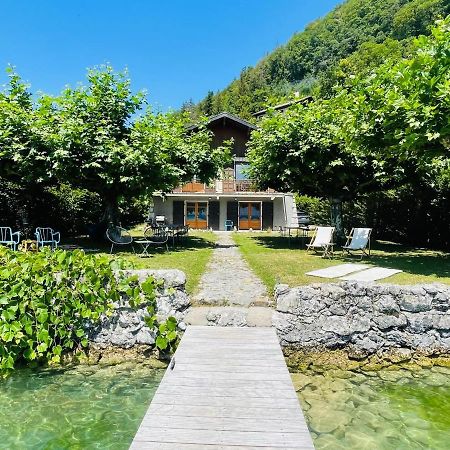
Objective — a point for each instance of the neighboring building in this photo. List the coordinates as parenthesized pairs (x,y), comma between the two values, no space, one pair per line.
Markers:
(284,106)
(232,198)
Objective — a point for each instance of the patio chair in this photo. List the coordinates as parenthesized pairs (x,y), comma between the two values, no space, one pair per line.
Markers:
(322,240)
(229,225)
(8,238)
(158,236)
(160,220)
(358,240)
(181,232)
(47,236)
(119,236)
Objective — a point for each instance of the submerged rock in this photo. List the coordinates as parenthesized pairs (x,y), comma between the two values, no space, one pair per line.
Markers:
(324,419)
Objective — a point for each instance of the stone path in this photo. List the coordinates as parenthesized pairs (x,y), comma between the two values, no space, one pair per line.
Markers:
(228,279)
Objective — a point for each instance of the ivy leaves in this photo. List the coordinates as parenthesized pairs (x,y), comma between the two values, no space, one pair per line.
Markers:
(49,299)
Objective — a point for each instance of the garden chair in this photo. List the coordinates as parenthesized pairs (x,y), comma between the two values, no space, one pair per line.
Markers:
(47,236)
(181,232)
(229,225)
(322,240)
(119,236)
(8,238)
(358,240)
(157,236)
(160,220)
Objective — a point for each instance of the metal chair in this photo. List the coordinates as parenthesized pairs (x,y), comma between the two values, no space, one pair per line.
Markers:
(119,236)
(7,237)
(157,236)
(229,225)
(47,236)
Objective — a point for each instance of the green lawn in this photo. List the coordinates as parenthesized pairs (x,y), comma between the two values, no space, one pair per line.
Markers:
(191,257)
(272,259)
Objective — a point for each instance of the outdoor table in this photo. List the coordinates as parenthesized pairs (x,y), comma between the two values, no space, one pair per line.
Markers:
(145,244)
(303,229)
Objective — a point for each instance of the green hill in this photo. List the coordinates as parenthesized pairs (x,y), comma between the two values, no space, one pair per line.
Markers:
(355,36)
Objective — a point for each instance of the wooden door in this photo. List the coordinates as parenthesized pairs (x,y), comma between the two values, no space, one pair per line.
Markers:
(197,215)
(250,215)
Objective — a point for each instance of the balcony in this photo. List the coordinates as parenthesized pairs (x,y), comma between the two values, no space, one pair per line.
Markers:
(220,187)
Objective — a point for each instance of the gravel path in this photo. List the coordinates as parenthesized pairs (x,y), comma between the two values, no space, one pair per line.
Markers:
(228,279)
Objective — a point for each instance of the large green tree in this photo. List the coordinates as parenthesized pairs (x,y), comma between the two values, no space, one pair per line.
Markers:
(101,146)
(305,151)
(389,128)
(403,110)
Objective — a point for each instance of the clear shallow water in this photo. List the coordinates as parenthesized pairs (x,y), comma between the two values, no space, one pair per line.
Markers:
(86,407)
(379,410)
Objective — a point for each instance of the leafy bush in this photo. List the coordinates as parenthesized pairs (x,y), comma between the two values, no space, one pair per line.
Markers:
(48,299)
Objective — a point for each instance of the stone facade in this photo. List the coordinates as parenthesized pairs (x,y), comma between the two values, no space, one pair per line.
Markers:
(126,327)
(364,319)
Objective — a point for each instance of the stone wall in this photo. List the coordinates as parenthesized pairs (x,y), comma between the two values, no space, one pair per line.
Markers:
(364,319)
(126,327)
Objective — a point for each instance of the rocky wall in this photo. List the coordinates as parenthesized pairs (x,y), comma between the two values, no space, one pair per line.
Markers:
(126,327)
(364,318)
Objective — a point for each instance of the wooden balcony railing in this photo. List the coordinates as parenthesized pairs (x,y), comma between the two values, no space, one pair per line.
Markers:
(220,187)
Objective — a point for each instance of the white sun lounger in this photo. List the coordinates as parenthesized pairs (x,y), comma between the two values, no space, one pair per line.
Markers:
(322,240)
(358,240)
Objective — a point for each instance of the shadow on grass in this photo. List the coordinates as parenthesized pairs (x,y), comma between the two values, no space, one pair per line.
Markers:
(188,243)
(385,254)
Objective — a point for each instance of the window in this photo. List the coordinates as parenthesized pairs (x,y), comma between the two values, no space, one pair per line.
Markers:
(240,171)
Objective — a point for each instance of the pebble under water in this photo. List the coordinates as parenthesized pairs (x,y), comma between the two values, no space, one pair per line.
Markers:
(389,409)
(85,407)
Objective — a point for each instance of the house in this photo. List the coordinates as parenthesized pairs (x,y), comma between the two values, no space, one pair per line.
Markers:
(233,197)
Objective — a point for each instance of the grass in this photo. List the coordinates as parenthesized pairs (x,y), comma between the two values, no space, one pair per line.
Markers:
(191,257)
(274,261)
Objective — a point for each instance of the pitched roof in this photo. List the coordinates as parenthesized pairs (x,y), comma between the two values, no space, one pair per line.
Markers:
(229,116)
(284,106)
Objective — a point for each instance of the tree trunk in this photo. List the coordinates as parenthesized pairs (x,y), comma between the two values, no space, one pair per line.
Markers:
(336,219)
(111,211)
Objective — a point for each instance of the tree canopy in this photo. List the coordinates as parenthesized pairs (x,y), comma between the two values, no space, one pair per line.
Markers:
(92,138)
(385,129)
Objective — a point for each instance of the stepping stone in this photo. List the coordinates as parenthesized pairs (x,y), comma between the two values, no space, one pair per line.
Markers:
(337,271)
(373,274)
(254,316)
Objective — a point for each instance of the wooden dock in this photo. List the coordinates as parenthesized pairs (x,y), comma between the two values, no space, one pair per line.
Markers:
(229,389)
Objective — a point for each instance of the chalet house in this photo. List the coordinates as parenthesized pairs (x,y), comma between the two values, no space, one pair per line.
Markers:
(233,198)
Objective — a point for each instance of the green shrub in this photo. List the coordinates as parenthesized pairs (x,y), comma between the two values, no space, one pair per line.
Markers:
(48,300)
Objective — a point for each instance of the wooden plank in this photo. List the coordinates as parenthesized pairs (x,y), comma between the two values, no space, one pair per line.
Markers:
(225,424)
(192,398)
(215,437)
(229,389)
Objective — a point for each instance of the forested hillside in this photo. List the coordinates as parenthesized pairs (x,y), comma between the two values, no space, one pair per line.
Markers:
(354,37)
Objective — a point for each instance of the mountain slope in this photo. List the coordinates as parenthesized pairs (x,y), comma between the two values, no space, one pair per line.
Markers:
(310,58)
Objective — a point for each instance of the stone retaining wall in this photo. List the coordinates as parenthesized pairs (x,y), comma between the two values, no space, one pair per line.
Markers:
(126,327)
(364,319)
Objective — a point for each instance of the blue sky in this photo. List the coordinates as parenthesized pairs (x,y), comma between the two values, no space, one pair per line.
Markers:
(174,49)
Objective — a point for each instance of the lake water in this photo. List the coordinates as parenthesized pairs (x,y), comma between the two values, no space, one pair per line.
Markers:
(390,409)
(87,407)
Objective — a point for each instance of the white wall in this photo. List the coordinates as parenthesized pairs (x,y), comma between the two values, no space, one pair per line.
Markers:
(163,208)
(278,213)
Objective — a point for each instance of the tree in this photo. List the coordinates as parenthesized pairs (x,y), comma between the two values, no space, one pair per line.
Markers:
(23,148)
(305,151)
(100,148)
(403,111)
(417,16)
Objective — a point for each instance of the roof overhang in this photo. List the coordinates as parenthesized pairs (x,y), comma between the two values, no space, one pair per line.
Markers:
(225,116)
